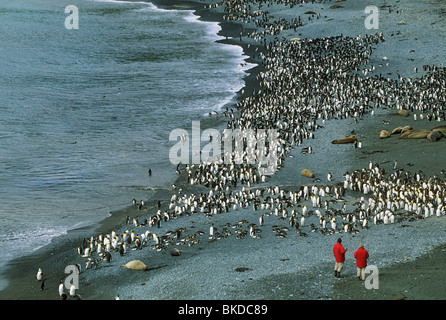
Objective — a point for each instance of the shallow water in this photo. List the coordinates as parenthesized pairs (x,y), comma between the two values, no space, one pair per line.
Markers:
(85,113)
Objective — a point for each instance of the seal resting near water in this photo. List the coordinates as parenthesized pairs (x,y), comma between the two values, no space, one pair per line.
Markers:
(135,265)
(349,139)
(415,134)
(307,173)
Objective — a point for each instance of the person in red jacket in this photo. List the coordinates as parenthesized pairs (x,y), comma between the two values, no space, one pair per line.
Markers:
(339,254)
(361,255)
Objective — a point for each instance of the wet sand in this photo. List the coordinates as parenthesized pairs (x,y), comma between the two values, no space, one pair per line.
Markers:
(409,258)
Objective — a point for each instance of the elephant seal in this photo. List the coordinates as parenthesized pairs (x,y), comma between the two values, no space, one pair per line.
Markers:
(135,265)
(384,134)
(403,113)
(415,134)
(307,173)
(440,128)
(349,139)
(435,135)
(401,129)
(175,252)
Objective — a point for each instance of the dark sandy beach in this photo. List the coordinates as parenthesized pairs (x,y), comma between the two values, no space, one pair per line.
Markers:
(410,255)
(422,279)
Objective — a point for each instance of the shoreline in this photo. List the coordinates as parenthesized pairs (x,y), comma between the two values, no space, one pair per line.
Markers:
(56,252)
(17,270)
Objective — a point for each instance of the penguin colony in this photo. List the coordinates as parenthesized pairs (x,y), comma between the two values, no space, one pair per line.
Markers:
(305,82)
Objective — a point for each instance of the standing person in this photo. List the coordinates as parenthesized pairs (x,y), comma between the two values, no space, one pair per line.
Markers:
(339,254)
(361,255)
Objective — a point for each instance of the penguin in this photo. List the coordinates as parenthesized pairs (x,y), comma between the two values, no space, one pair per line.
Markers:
(72,290)
(329,176)
(212,230)
(333,224)
(61,291)
(39,275)
(296,226)
(86,252)
(251,231)
(99,249)
(87,263)
(42,285)
(150,172)
(107,256)
(261,220)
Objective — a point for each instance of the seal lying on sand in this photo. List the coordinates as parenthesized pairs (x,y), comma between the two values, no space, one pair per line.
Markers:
(440,128)
(135,265)
(436,135)
(401,129)
(384,134)
(415,134)
(403,113)
(349,139)
(175,252)
(307,173)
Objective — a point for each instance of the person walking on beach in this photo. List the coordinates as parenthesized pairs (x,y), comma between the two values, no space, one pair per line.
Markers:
(339,254)
(361,255)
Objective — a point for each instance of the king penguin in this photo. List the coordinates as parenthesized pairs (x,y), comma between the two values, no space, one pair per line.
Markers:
(61,288)
(211,230)
(72,290)
(39,275)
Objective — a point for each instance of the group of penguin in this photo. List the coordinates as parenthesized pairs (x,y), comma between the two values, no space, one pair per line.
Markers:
(304,82)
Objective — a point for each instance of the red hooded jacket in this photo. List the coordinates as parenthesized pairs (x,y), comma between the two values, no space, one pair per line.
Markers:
(339,252)
(361,256)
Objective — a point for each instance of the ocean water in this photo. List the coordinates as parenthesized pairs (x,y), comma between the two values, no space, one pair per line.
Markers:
(84,113)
